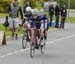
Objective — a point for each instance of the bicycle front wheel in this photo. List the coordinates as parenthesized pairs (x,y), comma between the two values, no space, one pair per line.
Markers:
(24,41)
(32,50)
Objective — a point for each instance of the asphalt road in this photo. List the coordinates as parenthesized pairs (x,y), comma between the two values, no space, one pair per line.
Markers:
(60,49)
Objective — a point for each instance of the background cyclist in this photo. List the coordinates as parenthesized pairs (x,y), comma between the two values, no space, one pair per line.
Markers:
(44,18)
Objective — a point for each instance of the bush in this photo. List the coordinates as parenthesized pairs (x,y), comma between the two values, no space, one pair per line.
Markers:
(4,5)
(72,3)
(32,3)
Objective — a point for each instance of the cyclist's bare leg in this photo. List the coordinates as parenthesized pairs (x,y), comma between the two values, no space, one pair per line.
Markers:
(42,36)
(39,36)
(32,35)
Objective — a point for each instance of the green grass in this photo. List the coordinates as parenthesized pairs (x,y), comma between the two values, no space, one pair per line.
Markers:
(38,5)
(7,31)
(68,19)
(2,28)
(3,15)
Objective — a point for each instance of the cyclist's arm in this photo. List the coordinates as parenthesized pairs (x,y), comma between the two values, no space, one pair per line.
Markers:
(25,20)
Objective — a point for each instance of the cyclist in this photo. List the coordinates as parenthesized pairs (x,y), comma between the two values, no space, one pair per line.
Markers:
(27,15)
(26,18)
(36,23)
(44,18)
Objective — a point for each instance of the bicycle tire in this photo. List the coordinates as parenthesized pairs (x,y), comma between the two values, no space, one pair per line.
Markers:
(32,49)
(42,48)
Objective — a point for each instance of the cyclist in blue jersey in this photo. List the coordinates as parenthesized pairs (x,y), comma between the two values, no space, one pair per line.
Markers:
(27,15)
(44,18)
(36,23)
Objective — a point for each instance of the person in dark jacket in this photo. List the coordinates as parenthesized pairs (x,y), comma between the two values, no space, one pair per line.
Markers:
(51,13)
(26,5)
(63,16)
(13,11)
(57,13)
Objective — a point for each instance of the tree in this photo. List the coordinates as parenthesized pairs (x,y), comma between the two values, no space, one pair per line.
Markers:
(4,5)
(32,3)
(72,3)
(62,2)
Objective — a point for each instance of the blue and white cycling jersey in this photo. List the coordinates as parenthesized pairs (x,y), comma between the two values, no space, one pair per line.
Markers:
(28,15)
(40,22)
(44,21)
(26,18)
(35,23)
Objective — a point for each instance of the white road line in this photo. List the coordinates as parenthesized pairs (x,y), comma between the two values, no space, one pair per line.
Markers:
(60,39)
(9,54)
(22,50)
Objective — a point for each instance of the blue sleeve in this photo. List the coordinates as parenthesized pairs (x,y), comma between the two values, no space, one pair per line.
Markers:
(40,18)
(31,19)
(45,17)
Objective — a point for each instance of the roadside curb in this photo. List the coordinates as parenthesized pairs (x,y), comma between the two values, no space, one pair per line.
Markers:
(10,38)
(19,36)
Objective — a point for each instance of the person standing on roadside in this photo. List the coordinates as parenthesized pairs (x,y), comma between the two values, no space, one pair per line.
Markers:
(51,13)
(57,13)
(13,11)
(63,16)
(26,5)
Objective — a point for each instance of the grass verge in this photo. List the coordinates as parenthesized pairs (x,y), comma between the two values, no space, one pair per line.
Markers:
(68,19)
(8,31)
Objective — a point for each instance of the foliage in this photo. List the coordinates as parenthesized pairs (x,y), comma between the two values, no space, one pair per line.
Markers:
(4,5)
(66,2)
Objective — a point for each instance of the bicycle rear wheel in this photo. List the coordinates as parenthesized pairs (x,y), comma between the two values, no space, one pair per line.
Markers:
(42,47)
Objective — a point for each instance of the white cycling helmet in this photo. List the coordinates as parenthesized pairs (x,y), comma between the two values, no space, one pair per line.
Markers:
(28,9)
(35,11)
